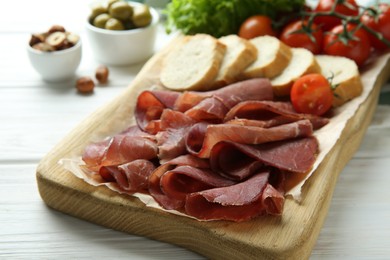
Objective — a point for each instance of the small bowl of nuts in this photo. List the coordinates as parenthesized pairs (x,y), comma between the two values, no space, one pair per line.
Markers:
(55,54)
(122,32)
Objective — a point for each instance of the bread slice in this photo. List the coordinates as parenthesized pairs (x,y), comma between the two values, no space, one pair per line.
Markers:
(273,57)
(302,62)
(240,53)
(345,76)
(193,64)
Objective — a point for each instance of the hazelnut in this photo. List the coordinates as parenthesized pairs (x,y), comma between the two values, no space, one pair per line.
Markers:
(56,28)
(72,38)
(85,85)
(36,38)
(56,39)
(43,46)
(102,74)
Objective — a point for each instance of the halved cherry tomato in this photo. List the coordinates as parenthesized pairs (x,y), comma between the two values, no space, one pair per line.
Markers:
(357,46)
(346,7)
(257,25)
(312,94)
(378,20)
(292,36)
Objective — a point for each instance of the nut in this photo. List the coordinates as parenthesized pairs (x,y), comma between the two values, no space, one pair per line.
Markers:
(72,38)
(56,39)
(36,38)
(43,46)
(85,85)
(101,74)
(56,28)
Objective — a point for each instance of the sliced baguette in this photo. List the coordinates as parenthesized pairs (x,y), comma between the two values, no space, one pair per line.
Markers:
(302,62)
(240,53)
(193,64)
(273,57)
(345,76)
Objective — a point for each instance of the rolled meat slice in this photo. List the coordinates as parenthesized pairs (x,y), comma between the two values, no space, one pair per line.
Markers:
(155,185)
(122,148)
(130,177)
(202,137)
(171,138)
(235,160)
(182,180)
(149,107)
(239,202)
(270,113)
(252,89)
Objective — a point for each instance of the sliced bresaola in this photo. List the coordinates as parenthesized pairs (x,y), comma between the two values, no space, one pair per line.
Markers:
(119,149)
(252,89)
(271,113)
(171,138)
(239,202)
(202,136)
(130,177)
(210,110)
(149,107)
(236,160)
(182,180)
(154,180)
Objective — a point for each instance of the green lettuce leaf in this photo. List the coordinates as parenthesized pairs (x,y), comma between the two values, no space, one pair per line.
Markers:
(221,17)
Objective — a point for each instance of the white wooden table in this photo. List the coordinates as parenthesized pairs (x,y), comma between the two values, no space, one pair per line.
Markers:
(35,115)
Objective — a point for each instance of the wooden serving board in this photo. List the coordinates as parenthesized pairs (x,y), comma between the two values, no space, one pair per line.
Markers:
(291,236)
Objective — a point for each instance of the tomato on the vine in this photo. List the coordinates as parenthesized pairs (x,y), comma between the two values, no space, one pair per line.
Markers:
(293,36)
(378,19)
(257,25)
(354,43)
(312,94)
(346,7)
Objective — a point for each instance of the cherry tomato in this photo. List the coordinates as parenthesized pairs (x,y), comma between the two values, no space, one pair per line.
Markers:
(312,94)
(293,38)
(357,49)
(378,21)
(257,25)
(348,7)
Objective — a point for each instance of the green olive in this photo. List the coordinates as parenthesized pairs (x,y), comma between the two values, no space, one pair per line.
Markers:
(110,2)
(101,20)
(129,25)
(121,10)
(142,16)
(96,10)
(114,24)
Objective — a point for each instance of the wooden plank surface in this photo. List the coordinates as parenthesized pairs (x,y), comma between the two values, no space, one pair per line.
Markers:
(293,235)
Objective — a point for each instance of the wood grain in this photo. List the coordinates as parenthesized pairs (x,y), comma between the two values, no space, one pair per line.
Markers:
(291,236)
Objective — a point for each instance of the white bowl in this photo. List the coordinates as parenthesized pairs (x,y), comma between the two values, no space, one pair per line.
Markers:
(123,47)
(56,65)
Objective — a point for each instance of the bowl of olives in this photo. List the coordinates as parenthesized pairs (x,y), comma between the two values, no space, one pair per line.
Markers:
(55,54)
(122,32)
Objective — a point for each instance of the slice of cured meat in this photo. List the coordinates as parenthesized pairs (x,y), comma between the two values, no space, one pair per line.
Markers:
(210,109)
(120,149)
(154,180)
(182,180)
(171,138)
(252,89)
(130,177)
(234,160)
(271,113)
(238,202)
(202,137)
(150,105)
